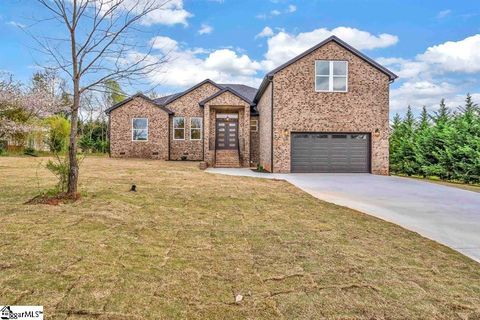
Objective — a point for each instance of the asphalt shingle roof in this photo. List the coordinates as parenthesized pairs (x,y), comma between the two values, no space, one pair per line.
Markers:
(241,89)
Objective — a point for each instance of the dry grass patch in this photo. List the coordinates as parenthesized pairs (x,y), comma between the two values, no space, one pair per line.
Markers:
(188,242)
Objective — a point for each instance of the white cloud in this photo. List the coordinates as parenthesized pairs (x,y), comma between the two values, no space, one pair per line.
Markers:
(449,57)
(455,56)
(419,94)
(228,62)
(284,46)
(164,44)
(205,29)
(168,12)
(266,32)
(291,8)
(439,72)
(276,12)
(186,67)
(406,68)
(442,14)
(16,24)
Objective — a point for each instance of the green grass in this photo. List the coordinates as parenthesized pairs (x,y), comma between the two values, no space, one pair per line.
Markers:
(188,242)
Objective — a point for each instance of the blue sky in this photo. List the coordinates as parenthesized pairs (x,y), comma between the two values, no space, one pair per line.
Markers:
(434,46)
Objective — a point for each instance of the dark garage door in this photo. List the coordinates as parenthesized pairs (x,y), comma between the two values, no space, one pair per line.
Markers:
(337,152)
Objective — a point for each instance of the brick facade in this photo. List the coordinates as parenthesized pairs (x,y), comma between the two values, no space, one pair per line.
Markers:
(255,143)
(121,144)
(228,103)
(187,107)
(299,108)
(288,103)
(264,107)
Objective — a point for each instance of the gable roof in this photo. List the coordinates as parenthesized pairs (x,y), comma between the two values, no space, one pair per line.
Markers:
(138,95)
(226,89)
(174,97)
(244,90)
(392,76)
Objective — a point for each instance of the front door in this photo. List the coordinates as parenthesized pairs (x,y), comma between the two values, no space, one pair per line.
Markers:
(226,133)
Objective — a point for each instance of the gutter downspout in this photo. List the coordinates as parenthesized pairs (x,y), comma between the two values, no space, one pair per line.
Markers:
(108,135)
(203,135)
(169,118)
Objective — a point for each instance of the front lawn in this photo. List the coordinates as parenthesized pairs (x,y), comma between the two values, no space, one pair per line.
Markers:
(188,242)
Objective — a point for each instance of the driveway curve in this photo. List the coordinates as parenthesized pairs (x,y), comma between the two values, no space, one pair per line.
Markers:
(448,215)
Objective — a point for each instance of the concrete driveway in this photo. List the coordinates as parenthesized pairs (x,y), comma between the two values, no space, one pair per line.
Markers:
(447,215)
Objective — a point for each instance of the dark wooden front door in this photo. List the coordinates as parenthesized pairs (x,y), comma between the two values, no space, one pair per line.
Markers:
(226,134)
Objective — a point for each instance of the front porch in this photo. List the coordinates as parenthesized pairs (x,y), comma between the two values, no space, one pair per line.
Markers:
(227,131)
(227,142)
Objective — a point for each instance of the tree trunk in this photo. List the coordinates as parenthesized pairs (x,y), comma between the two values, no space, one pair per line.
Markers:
(72,149)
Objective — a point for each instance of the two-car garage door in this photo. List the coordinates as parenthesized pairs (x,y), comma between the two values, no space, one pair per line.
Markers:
(330,152)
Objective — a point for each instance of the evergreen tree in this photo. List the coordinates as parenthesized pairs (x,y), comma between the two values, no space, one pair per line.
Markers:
(405,152)
(422,137)
(445,144)
(395,142)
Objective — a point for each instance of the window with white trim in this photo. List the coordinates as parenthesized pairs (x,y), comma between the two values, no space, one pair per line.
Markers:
(331,76)
(196,128)
(178,128)
(139,129)
(254,125)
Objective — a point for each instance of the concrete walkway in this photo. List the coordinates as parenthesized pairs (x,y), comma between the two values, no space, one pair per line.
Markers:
(448,215)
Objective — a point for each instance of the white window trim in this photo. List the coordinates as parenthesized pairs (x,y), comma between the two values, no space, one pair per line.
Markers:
(201,128)
(331,76)
(133,130)
(173,131)
(256,125)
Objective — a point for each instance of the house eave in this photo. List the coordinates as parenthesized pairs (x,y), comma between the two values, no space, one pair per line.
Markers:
(138,95)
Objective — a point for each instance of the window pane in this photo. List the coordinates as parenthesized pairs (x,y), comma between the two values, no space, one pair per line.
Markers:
(322,68)
(195,134)
(140,134)
(179,122)
(339,68)
(322,84)
(140,123)
(195,122)
(179,134)
(340,83)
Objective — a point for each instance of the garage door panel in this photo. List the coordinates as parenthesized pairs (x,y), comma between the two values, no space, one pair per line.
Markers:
(335,152)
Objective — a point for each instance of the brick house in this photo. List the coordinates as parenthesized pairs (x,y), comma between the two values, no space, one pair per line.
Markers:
(326,110)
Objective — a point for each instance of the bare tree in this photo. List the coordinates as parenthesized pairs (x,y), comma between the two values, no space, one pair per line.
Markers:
(99,45)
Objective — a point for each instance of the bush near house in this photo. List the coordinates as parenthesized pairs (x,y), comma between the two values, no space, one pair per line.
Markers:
(442,144)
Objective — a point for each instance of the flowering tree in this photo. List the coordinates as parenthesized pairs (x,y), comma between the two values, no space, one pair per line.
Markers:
(19,104)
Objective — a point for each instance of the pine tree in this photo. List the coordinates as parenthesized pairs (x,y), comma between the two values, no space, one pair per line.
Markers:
(465,147)
(445,144)
(422,138)
(395,142)
(439,144)
(405,149)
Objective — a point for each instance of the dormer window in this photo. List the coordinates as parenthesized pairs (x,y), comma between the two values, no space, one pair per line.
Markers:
(331,76)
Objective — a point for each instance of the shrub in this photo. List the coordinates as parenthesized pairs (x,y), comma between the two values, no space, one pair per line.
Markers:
(59,167)
(3,147)
(30,151)
(86,143)
(59,130)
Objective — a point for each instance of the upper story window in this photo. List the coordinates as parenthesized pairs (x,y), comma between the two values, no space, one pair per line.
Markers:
(195,128)
(139,129)
(178,128)
(331,76)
